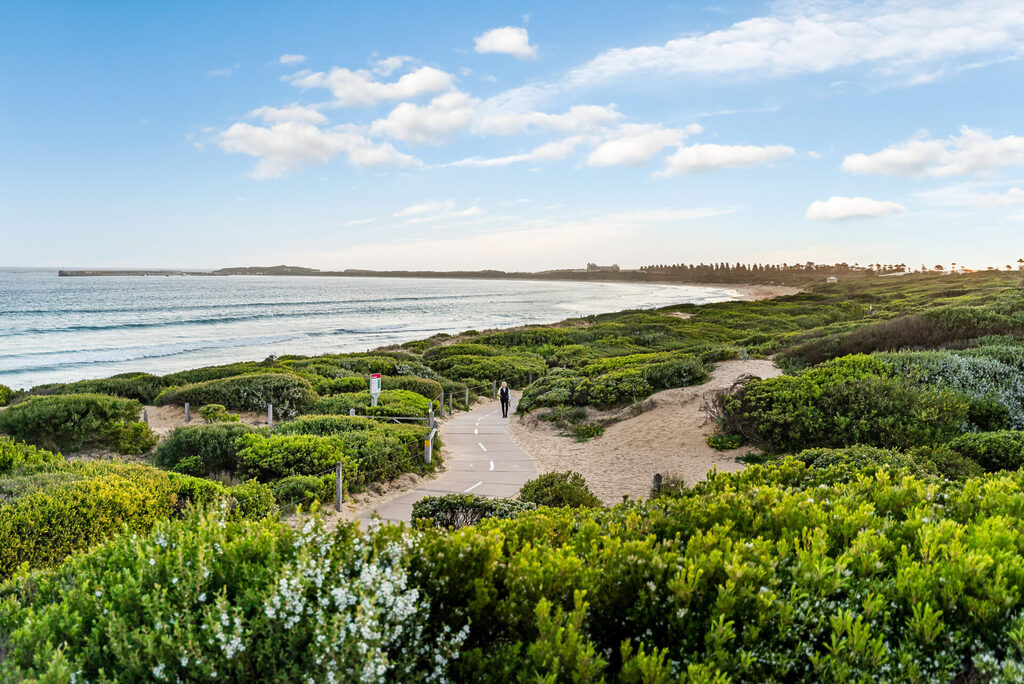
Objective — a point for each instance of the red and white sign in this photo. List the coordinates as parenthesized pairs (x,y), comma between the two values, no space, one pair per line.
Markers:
(374,387)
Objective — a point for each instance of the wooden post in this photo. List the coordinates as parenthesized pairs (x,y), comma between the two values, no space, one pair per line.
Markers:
(430,416)
(187,415)
(270,415)
(440,404)
(450,409)
(657,483)
(494,389)
(145,416)
(428,447)
(467,398)
(337,487)
(530,381)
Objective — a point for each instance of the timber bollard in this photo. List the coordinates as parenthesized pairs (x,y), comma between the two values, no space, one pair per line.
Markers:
(530,381)
(494,389)
(450,409)
(440,404)
(467,398)
(270,415)
(145,416)
(656,486)
(428,446)
(187,415)
(337,487)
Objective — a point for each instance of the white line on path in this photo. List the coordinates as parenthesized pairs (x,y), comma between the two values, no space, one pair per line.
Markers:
(475,431)
(492,465)
(474,487)
(482,446)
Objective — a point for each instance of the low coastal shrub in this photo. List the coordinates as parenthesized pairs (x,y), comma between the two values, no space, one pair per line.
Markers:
(567,488)
(724,442)
(1003,450)
(213,599)
(426,388)
(14,454)
(6,394)
(296,489)
(217,413)
(289,394)
(70,422)
(322,425)
(675,373)
(142,387)
(564,416)
(343,385)
(205,450)
(389,403)
(584,431)
(516,369)
(459,349)
(459,510)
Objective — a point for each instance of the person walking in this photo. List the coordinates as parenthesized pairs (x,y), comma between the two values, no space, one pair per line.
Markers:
(504,396)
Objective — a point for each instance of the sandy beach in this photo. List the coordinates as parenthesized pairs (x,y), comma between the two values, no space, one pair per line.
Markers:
(667,438)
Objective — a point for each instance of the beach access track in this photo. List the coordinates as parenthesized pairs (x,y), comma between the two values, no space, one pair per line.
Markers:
(479,457)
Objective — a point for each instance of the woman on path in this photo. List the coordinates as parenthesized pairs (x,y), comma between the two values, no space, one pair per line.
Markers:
(504,396)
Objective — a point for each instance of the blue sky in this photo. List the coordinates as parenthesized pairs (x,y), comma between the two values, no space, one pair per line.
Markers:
(512,135)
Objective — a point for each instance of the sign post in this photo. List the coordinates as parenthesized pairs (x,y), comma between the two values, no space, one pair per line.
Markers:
(374,388)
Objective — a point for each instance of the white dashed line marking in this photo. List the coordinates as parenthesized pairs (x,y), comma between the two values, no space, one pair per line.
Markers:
(475,431)
(492,465)
(474,487)
(482,446)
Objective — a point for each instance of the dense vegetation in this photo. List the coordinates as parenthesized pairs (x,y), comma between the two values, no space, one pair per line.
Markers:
(880,539)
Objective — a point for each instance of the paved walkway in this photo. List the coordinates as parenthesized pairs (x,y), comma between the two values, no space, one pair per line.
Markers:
(480,458)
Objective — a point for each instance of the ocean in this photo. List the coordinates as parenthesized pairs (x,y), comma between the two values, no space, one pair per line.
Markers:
(56,329)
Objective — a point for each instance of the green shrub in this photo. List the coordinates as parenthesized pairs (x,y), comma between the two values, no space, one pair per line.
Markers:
(130,438)
(515,369)
(389,403)
(289,491)
(288,394)
(6,394)
(617,388)
(724,442)
(312,424)
(142,387)
(352,383)
(252,500)
(675,373)
(428,389)
(14,454)
(69,422)
(207,373)
(1003,450)
(213,599)
(459,510)
(201,450)
(559,489)
(217,413)
(460,349)
(564,416)
(584,431)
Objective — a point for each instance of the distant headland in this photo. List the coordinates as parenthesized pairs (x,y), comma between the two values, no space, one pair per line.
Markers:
(719,273)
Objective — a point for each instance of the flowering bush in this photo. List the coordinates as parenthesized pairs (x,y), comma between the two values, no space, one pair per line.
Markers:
(210,599)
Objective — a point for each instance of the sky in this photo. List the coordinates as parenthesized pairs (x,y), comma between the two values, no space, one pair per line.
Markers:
(517,136)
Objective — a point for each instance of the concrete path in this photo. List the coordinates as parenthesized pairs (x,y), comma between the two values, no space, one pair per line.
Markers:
(480,458)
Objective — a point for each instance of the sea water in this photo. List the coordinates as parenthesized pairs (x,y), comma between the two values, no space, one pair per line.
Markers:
(55,329)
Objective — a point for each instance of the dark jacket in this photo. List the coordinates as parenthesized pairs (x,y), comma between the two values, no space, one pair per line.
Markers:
(504,395)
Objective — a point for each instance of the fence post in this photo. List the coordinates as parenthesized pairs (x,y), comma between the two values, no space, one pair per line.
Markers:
(428,447)
(440,404)
(187,415)
(337,487)
(430,416)
(467,398)
(530,381)
(494,389)
(270,415)
(657,483)
(145,416)
(450,409)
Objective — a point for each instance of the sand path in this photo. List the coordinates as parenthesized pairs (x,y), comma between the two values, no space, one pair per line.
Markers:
(479,457)
(667,438)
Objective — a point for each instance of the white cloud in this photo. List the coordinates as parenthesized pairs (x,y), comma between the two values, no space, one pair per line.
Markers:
(462,213)
(426,208)
(360,88)
(635,144)
(225,72)
(973,195)
(910,41)
(667,215)
(555,150)
(292,112)
(578,118)
(359,222)
(386,66)
(836,208)
(695,158)
(434,123)
(291,145)
(508,40)
(971,151)
(291,59)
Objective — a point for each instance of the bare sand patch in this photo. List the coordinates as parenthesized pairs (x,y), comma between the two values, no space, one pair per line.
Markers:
(163,419)
(667,438)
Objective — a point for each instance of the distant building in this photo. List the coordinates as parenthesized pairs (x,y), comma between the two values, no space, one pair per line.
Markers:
(831,279)
(614,268)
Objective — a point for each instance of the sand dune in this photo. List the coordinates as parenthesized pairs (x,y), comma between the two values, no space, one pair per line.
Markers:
(667,438)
